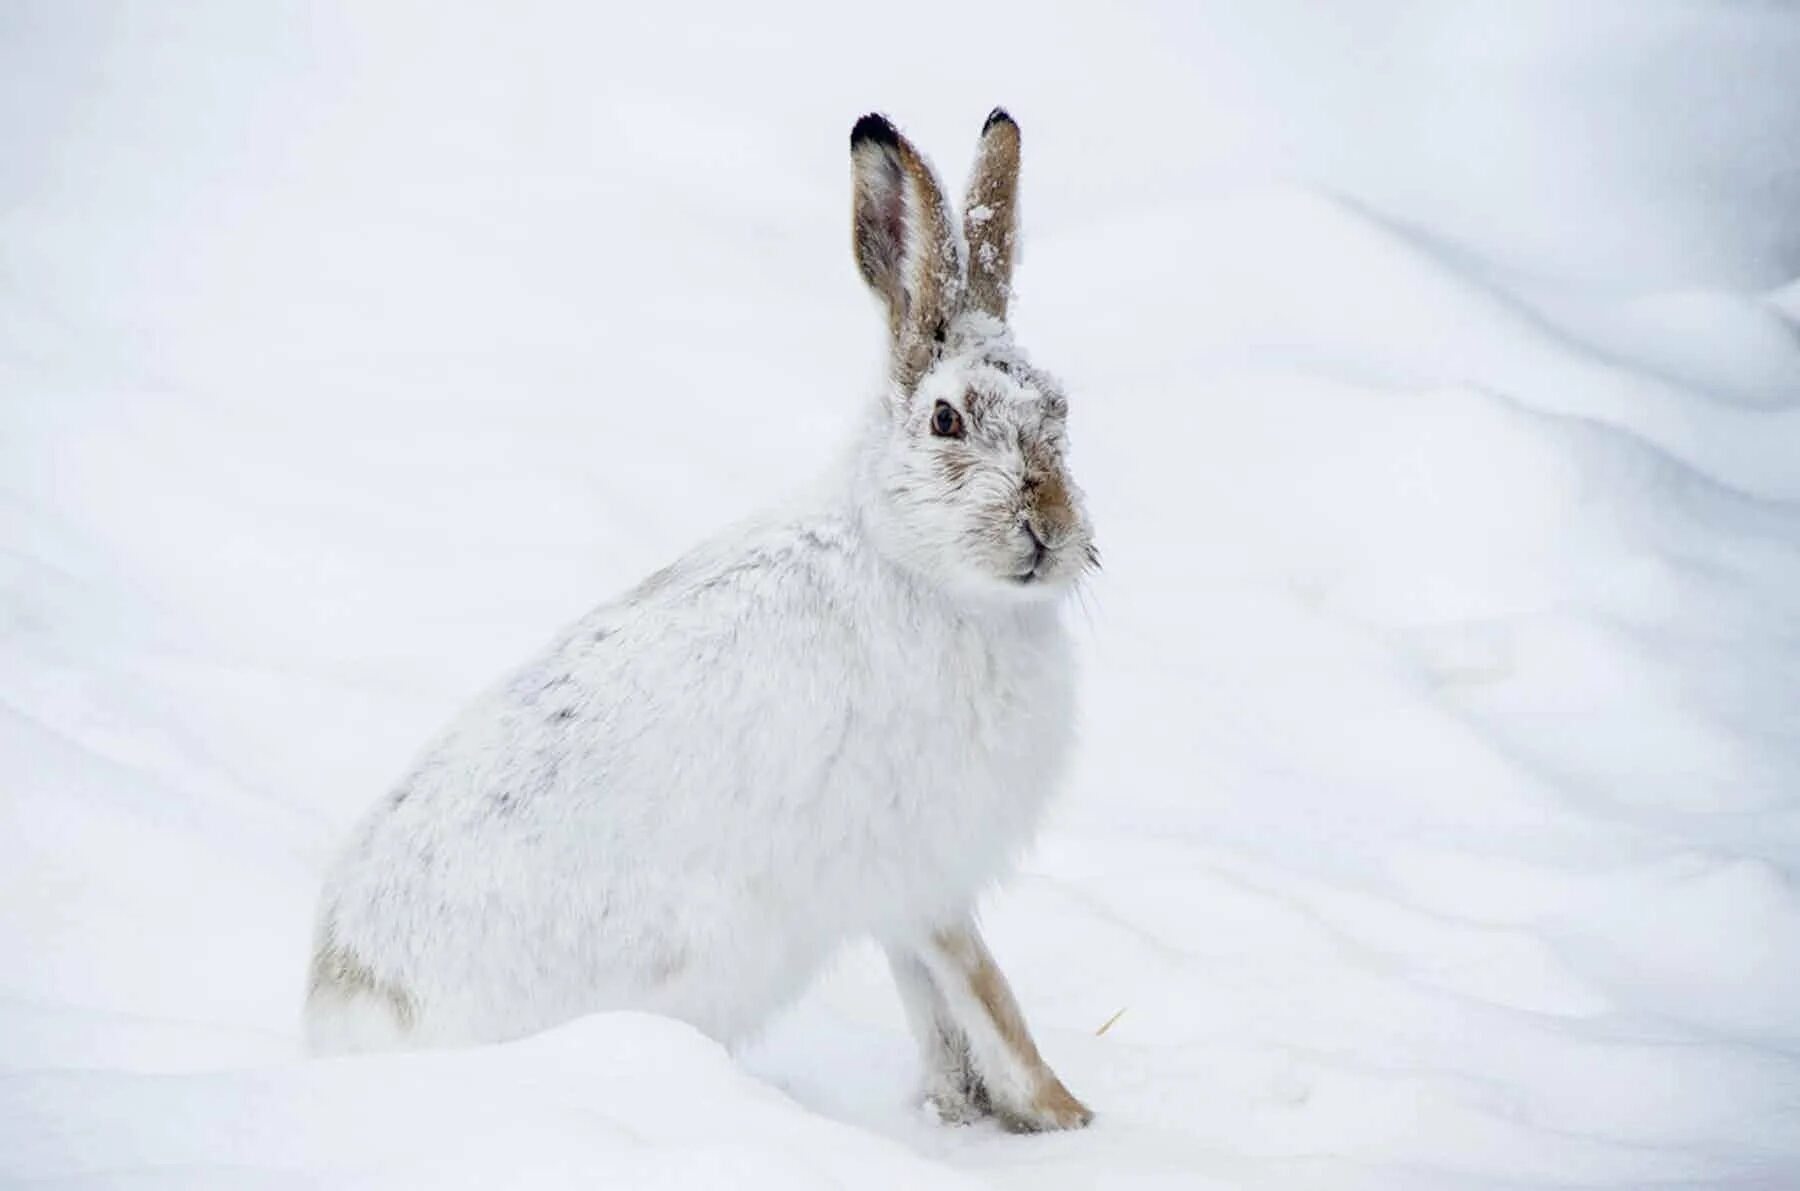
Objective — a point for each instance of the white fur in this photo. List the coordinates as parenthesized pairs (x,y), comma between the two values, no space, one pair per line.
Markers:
(786,742)
(841,721)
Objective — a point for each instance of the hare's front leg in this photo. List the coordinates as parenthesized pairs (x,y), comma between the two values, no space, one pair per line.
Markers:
(978,1054)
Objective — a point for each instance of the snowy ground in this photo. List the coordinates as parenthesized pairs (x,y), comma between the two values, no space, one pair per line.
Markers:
(1437,391)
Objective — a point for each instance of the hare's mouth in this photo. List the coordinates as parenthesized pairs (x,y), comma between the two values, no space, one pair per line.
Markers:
(1040,554)
(1037,570)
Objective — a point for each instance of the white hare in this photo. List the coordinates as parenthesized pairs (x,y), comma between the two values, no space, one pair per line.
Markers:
(841,721)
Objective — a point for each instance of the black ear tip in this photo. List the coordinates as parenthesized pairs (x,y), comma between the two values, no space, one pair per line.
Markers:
(997,116)
(876,128)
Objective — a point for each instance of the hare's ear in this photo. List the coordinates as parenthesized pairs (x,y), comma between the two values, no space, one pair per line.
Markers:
(990,214)
(906,245)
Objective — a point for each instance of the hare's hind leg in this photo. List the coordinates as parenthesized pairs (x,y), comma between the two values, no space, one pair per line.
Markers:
(979,1054)
(349,1010)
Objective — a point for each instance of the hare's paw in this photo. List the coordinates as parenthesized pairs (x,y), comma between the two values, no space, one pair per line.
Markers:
(1053,1108)
(964,1100)
(956,1096)
(953,1107)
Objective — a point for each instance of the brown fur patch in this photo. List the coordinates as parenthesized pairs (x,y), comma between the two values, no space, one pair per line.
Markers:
(338,971)
(906,249)
(1051,507)
(989,985)
(990,217)
(996,997)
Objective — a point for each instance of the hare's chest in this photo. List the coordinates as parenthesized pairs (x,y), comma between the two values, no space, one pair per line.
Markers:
(947,762)
(984,704)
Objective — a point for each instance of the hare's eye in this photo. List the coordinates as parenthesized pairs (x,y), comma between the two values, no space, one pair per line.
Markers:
(946,422)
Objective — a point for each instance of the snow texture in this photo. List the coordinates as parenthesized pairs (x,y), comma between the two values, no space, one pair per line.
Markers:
(1434,377)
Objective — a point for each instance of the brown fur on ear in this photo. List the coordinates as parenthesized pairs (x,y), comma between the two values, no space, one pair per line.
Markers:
(990,214)
(905,243)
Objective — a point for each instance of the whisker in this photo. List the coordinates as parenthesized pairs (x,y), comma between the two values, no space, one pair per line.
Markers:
(1085,599)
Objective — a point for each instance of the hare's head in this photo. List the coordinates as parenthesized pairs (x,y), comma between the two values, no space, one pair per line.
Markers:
(965,478)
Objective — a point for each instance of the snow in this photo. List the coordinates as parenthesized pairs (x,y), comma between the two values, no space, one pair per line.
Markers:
(1436,386)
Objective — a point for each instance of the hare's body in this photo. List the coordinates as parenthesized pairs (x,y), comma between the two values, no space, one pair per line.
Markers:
(697,794)
(842,722)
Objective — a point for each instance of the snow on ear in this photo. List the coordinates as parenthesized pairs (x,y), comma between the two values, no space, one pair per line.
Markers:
(905,243)
(990,214)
